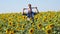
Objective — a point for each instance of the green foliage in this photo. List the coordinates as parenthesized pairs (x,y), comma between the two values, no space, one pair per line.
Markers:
(16,23)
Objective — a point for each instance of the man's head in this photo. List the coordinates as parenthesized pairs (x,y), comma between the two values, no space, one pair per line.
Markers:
(29,5)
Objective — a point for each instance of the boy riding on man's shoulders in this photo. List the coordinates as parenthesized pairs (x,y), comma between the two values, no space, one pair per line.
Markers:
(30,9)
(30,12)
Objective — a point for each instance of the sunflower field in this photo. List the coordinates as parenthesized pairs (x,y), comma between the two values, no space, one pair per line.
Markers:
(44,23)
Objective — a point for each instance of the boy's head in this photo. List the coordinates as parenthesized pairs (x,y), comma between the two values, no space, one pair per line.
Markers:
(29,5)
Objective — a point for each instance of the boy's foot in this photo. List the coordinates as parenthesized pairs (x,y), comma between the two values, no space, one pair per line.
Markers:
(28,19)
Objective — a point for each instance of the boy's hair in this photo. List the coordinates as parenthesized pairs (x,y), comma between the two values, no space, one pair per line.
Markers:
(29,4)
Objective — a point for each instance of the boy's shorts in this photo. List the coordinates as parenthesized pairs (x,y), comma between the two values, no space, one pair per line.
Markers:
(30,15)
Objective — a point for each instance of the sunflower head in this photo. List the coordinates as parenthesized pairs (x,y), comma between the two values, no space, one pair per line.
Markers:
(18,20)
(18,24)
(32,24)
(7,31)
(31,31)
(51,25)
(23,17)
(18,29)
(10,23)
(10,19)
(0,28)
(39,26)
(13,15)
(23,26)
(48,31)
(11,32)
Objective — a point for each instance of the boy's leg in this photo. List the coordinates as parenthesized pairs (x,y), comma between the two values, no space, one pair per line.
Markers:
(32,17)
(28,19)
(28,15)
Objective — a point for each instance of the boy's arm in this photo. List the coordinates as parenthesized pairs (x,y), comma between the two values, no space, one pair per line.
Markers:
(36,9)
(23,10)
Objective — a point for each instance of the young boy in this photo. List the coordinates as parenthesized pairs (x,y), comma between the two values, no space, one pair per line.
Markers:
(30,13)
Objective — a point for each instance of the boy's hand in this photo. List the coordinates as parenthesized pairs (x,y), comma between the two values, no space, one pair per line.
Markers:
(36,7)
(23,8)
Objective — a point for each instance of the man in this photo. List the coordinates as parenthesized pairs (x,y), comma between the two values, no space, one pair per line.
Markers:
(30,13)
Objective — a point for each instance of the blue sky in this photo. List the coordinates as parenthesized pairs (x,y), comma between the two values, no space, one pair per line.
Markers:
(18,5)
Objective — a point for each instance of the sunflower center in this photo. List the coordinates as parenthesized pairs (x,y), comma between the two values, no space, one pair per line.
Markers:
(49,31)
(40,25)
(31,31)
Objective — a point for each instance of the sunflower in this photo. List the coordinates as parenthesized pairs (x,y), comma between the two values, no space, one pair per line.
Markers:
(2,17)
(0,28)
(7,31)
(10,23)
(47,27)
(23,26)
(18,24)
(45,17)
(7,16)
(32,24)
(23,17)
(18,17)
(4,21)
(18,28)
(14,25)
(18,20)
(50,26)
(31,31)
(39,26)
(36,17)
(10,19)
(11,32)
(13,15)
(51,15)
(48,31)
